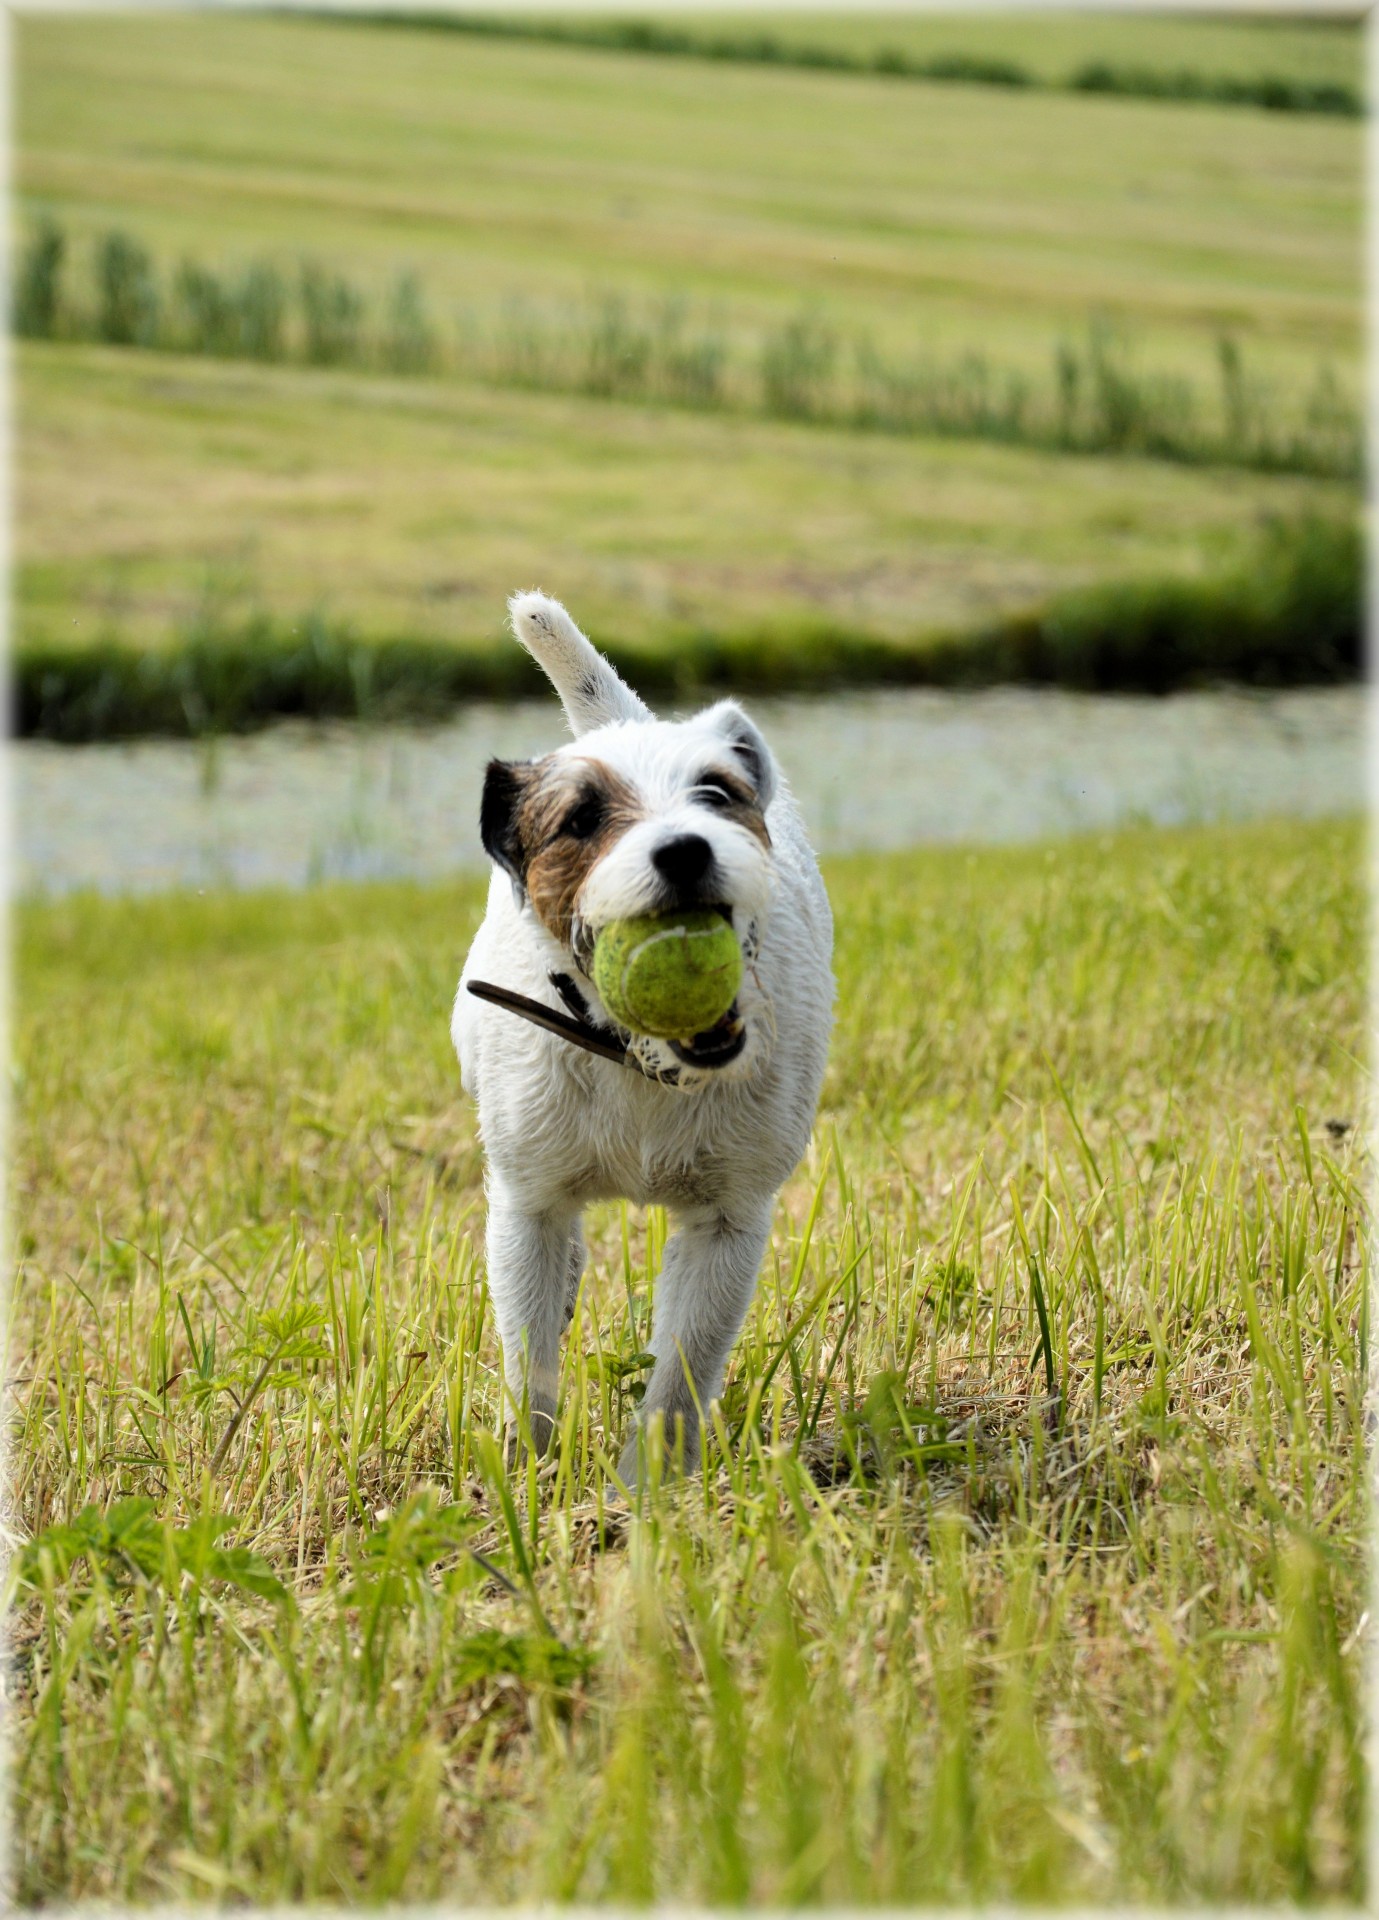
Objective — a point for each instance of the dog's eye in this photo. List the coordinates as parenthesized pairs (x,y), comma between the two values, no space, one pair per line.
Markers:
(715,792)
(585,820)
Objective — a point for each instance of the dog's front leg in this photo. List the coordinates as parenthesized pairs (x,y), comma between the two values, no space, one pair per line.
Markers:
(534,1261)
(706,1286)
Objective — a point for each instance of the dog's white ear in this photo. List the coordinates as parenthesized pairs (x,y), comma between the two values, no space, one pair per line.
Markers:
(749,749)
(590,691)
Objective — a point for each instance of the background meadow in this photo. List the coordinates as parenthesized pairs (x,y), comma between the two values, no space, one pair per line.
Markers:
(795,353)
(336,329)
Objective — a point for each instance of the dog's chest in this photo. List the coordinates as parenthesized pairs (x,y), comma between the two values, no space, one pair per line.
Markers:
(647,1177)
(663,1152)
(670,1183)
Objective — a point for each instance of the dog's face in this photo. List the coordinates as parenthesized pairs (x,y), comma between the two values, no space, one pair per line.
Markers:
(639,818)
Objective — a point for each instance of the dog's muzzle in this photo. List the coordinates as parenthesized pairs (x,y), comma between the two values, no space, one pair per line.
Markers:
(715,1048)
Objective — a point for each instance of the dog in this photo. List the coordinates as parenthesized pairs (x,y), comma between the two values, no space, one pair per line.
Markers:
(636,816)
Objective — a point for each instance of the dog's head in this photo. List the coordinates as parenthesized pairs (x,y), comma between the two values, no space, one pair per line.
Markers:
(645,817)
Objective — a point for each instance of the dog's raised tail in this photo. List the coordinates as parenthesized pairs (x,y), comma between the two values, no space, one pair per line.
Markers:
(590,691)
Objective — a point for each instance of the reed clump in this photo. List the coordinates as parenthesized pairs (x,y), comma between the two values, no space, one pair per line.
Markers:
(1294,615)
(1097,395)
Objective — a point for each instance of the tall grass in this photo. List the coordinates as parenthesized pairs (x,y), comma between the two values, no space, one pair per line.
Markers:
(332,318)
(38,289)
(1028,1562)
(128,307)
(1278,93)
(1292,615)
(797,368)
(243,316)
(409,339)
(1097,396)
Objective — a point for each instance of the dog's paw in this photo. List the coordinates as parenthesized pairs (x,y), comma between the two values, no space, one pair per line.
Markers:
(544,1434)
(656,1451)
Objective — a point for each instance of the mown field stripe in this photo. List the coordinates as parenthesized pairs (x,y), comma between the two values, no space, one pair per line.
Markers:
(1273,92)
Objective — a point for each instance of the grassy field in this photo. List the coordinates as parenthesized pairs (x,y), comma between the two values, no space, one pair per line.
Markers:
(1309,67)
(153,491)
(1030,1564)
(953,240)
(969,216)
(1052,45)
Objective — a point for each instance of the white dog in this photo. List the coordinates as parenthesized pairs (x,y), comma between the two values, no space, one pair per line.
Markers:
(637,816)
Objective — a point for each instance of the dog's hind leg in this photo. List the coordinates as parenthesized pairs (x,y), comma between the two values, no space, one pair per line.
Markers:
(590,691)
(530,1263)
(706,1286)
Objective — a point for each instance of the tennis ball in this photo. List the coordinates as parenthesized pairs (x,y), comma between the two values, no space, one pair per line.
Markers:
(668,974)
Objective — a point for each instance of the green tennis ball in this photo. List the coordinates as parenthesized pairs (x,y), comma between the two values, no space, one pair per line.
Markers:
(668,974)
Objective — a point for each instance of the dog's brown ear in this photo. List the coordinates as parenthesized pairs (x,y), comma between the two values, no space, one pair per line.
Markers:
(499,823)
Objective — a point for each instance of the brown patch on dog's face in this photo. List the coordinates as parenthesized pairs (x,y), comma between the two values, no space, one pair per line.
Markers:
(728,794)
(570,813)
(548,823)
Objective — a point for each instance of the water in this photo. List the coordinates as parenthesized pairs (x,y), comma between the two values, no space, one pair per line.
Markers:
(872,770)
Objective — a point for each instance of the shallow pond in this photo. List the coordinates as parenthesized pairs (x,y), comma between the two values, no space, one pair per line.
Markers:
(872,770)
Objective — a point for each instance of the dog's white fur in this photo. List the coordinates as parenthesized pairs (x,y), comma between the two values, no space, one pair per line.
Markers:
(561,1127)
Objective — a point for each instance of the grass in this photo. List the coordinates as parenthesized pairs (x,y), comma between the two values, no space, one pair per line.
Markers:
(767,371)
(1291,614)
(1096,396)
(1030,1563)
(954,218)
(163,500)
(1325,50)
(793,45)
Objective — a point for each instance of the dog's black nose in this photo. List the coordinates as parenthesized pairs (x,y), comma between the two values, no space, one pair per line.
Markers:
(685,861)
